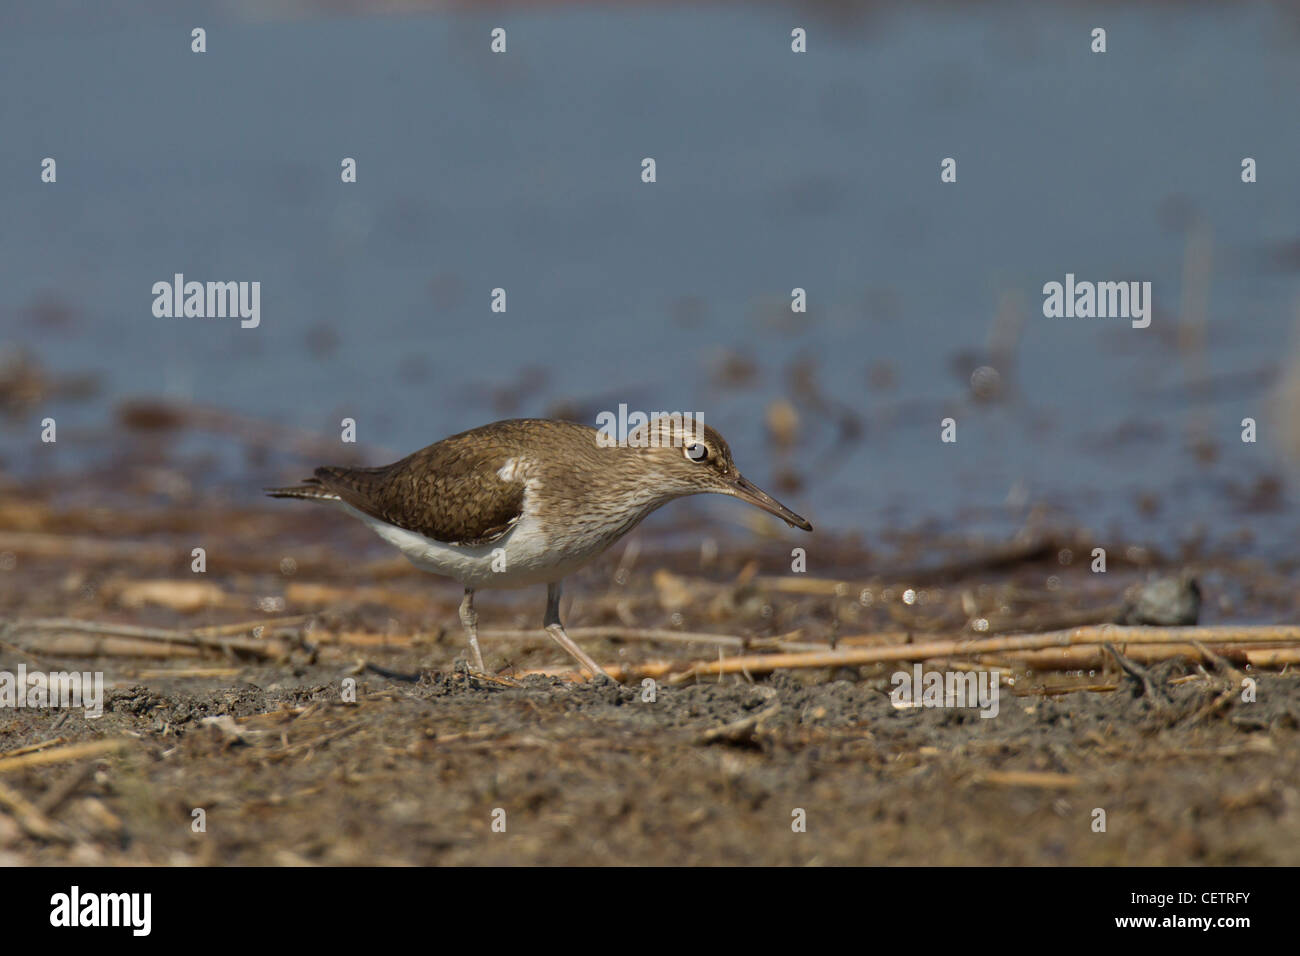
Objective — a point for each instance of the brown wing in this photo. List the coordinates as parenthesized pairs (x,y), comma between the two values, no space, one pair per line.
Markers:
(449,492)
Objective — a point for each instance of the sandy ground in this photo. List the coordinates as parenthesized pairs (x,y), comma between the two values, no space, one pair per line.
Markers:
(297,750)
(419,773)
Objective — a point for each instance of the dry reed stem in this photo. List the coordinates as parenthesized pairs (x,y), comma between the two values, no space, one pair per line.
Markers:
(33,748)
(33,822)
(92,748)
(90,645)
(1115,634)
(1043,780)
(621,634)
(1014,645)
(188,672)
(193,638)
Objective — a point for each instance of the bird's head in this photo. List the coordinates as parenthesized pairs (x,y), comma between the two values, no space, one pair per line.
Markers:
(691,458)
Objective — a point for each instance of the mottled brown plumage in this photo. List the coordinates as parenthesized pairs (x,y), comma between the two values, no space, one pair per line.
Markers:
(450,491)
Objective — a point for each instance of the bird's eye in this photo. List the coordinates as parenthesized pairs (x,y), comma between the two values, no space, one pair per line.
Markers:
(697,452)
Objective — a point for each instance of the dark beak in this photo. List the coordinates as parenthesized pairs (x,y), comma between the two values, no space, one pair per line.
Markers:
(746,490)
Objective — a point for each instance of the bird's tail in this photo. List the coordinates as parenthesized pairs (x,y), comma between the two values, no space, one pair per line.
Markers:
(310,489)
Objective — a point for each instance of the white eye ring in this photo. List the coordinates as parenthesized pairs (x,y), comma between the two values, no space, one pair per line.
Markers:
(696,452)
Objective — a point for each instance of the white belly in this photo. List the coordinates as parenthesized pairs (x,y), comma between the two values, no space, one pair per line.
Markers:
(519,558)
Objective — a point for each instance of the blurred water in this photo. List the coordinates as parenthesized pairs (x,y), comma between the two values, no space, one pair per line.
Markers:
(774,171)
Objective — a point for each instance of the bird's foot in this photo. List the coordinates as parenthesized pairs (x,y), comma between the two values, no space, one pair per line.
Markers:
(598,673)
(469,672)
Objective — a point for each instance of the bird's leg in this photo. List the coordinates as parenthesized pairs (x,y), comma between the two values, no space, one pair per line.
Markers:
(469,619)
(556,630)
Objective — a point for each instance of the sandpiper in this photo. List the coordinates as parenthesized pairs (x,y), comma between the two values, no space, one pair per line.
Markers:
(529,501)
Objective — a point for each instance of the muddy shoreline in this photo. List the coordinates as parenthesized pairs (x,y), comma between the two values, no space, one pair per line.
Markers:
(586,774)
(295,748)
